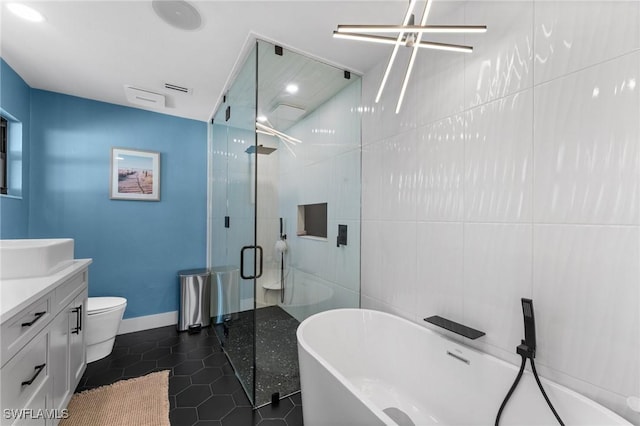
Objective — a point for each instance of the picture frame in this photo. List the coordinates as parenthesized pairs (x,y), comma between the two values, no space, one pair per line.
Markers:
(135,174)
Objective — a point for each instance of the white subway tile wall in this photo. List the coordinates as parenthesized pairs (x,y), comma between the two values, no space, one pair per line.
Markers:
(324,168)
(514,171)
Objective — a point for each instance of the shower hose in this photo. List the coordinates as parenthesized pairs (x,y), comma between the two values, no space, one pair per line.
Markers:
(515,384)
(282,278)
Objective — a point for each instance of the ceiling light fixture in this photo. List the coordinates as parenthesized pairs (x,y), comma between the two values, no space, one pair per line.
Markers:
(408,35)
(25,12)
(389,40)
(291,88)
(178,14)
(411,29)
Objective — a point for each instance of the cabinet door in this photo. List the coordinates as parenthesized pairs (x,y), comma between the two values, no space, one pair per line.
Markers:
(77,348)
(26,385)
(59,360)
(34,416)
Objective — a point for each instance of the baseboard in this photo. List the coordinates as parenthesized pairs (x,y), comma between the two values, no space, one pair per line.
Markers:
(147,322)
(246,304)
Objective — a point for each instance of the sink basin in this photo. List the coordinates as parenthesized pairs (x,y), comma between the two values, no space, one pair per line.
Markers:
(34,257)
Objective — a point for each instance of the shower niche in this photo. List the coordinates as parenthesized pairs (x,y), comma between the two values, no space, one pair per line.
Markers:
(284,142)
(312,220)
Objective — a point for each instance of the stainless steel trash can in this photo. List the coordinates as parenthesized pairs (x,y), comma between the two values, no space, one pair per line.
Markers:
(225,294)
(195,299)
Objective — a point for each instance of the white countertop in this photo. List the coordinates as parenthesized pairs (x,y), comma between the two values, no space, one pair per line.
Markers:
(17,294)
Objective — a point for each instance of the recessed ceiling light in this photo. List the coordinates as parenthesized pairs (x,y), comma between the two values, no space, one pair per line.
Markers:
(261,118)
(178,14)
(292,88)
(25,12)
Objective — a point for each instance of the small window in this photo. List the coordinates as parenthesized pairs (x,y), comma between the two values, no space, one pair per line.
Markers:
(312,220)
(4,131)
(10,155)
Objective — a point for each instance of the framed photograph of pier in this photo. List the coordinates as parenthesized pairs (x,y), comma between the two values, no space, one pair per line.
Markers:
(135,174)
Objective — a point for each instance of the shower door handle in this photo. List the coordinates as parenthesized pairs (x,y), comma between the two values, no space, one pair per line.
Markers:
(250,277)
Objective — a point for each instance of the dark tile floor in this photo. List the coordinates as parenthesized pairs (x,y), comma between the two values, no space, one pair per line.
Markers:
(276,350)
(203,389)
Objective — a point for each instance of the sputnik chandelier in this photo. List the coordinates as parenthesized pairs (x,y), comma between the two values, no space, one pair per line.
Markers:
(407,35)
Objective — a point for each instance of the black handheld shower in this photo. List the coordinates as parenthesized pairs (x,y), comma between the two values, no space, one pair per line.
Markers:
(527,350)
(528,345)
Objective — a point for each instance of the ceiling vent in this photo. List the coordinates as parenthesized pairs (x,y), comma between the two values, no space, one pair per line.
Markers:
(144,97)
(177,88)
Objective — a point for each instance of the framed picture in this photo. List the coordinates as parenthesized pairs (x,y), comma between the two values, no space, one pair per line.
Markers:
(135,174)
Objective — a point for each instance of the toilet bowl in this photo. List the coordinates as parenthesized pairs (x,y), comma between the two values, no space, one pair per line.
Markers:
(103,320)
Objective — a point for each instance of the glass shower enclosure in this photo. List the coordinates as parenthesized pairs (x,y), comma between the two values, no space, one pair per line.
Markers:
(284,210)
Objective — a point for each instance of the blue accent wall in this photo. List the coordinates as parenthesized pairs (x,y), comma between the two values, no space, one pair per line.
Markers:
(137,246)
(15,100)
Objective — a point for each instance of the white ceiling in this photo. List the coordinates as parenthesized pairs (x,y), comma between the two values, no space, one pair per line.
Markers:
(317,83)
(91,49)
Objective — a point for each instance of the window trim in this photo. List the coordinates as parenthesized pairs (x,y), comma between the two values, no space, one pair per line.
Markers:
(4,159)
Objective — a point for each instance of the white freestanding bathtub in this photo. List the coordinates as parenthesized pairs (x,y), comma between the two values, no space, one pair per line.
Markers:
(363,367)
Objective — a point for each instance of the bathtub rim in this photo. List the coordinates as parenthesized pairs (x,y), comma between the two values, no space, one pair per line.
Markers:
(381,415)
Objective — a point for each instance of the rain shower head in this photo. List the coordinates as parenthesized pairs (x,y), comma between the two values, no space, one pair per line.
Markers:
(260,149)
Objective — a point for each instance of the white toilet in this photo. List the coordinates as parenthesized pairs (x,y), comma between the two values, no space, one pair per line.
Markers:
(103,320)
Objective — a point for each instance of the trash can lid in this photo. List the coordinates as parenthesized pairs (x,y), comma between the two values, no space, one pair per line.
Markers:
(226,268)
(191,272)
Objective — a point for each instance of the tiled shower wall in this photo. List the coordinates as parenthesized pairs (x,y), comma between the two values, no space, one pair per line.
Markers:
(324,168)
(514,171)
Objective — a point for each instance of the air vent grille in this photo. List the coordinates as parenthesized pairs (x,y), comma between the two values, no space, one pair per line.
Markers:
(144,97)
(177,88)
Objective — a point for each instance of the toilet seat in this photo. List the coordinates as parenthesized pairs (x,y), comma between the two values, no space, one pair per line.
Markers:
(98,305)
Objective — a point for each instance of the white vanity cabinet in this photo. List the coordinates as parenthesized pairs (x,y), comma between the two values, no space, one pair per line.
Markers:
(26,383)
(43,346)
(68,350)
(77,340)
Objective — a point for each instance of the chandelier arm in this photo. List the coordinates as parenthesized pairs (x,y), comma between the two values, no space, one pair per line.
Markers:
(277,133)
(412,29)
(396,47)
(387,71)
(445,46)
(391,40)
(285,141)
(366,37)
(414,54)
(264,132)
(286,145)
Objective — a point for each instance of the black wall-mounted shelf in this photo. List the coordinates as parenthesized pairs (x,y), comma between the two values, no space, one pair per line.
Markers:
(463,330)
